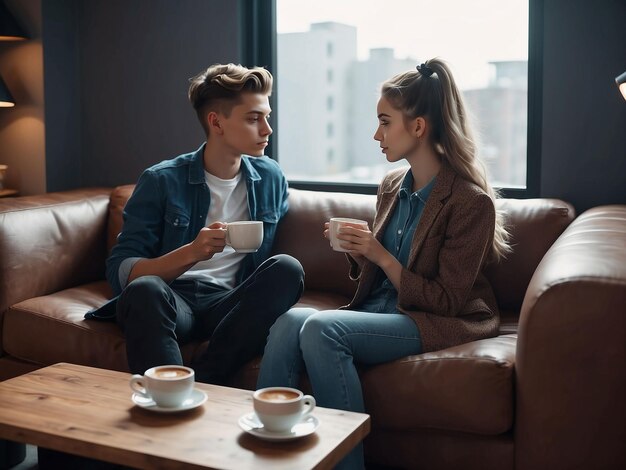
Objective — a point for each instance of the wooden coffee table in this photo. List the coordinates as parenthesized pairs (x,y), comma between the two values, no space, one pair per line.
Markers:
(88,412)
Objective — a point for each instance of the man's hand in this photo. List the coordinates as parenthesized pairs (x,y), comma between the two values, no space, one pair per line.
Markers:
(210,240)
(169,266)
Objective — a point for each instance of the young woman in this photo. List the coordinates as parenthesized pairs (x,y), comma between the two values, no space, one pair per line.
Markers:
(420,276)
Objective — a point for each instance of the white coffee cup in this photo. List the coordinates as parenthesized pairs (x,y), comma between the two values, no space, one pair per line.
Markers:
(245,236)
(168,386)
(281,408)
(338,222)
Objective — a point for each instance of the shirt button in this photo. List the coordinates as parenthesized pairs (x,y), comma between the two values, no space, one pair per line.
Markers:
(399,232)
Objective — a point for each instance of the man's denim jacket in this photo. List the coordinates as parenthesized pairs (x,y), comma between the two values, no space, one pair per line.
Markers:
(170,204)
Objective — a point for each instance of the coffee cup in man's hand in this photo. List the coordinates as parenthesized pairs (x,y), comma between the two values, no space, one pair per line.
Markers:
(245,236)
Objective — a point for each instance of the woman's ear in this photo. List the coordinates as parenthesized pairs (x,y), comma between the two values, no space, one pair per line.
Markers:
(419,127)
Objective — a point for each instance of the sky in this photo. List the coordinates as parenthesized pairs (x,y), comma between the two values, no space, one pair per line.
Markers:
(466,33)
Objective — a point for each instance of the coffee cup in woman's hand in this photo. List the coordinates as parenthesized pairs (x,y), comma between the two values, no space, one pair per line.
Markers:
(336,223)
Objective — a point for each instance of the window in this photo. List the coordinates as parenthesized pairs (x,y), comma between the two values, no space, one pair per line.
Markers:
(345,50)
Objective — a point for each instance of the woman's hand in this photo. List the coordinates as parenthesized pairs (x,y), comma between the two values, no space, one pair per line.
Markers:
(357,257)
(361,242)
(327,230)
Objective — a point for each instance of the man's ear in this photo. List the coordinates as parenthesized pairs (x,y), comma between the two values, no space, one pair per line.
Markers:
(213,120)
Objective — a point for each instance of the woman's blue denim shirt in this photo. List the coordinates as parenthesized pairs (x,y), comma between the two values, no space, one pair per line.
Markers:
(397,240)
(170,204)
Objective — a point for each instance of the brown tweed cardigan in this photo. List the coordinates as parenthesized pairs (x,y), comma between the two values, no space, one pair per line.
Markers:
(443,288)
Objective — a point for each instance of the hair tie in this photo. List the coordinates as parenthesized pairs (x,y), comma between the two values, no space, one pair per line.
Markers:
(424,70)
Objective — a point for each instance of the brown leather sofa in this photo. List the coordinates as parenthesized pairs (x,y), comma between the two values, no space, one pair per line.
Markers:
(547,393)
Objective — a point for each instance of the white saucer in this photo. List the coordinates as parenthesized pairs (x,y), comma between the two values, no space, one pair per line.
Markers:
(250,423)
(197,398)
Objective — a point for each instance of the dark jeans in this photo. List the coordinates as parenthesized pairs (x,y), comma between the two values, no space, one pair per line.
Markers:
(157,317)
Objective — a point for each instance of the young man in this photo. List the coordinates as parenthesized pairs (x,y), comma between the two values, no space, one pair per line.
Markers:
(176,278)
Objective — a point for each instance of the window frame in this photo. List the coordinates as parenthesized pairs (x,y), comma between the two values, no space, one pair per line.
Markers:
(258,47)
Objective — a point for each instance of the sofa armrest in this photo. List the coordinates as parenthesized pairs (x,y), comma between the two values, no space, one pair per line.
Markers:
(571,362)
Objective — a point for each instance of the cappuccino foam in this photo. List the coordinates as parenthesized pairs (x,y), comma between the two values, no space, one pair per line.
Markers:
(170,373)
(278,395)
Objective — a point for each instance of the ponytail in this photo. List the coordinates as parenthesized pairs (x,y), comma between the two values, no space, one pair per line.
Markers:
(431,92)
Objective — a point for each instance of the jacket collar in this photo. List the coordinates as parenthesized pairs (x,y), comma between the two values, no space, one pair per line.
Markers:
(441,189)
(248,169)
(196,169)
(440,192)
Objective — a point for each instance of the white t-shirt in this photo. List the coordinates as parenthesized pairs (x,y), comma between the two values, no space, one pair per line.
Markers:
(229,203)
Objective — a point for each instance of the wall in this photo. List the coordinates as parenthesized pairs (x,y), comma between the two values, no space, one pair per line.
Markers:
(117,78)
(63,89)
(22,135)
(584,115)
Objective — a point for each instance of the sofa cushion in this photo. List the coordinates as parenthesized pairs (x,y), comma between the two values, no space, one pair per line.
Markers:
(466,388)
(300,234)
(56,320)
(534,225)
(63,335)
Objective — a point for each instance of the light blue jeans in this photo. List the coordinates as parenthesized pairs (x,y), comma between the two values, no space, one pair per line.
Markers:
(327,344)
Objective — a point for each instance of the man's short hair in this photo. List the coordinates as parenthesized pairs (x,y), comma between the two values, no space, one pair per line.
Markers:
(219,88)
